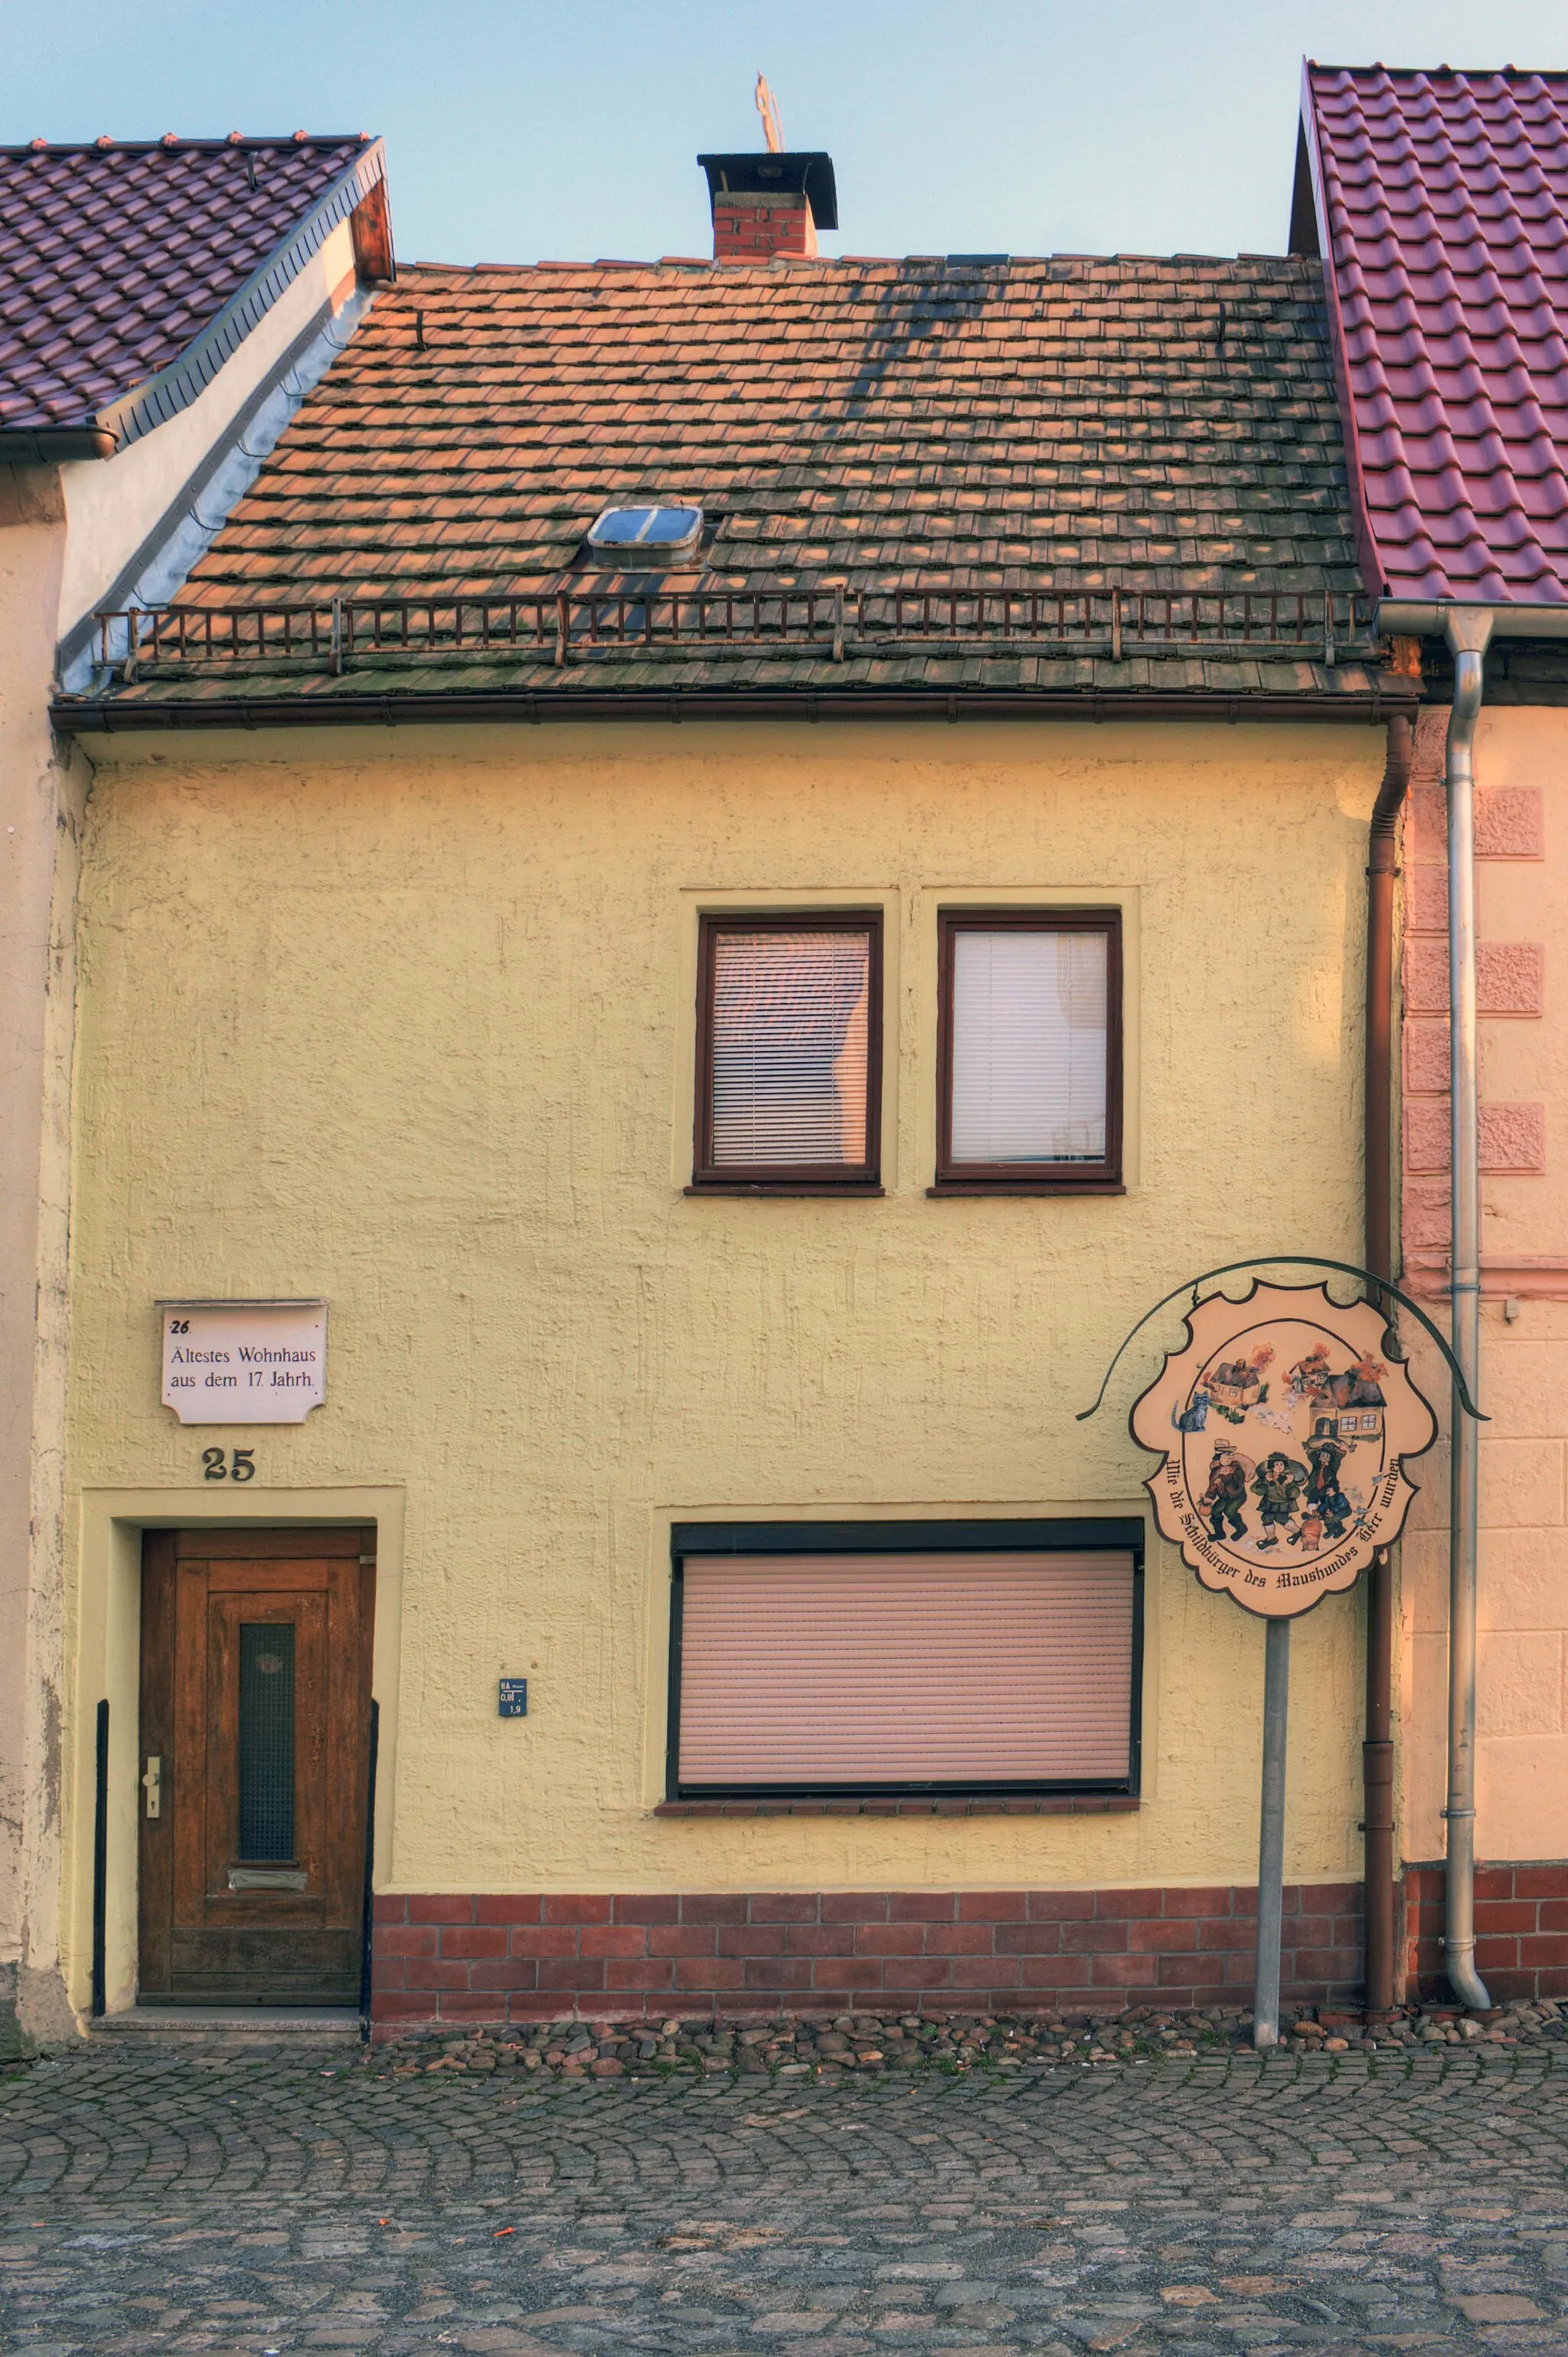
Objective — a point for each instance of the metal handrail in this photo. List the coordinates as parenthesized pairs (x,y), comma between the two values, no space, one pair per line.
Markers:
(576,625)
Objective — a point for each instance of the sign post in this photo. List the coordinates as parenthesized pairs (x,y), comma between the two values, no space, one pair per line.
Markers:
(1272,1835)
(1281,1434)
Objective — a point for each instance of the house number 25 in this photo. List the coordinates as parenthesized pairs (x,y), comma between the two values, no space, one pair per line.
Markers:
(229,1465)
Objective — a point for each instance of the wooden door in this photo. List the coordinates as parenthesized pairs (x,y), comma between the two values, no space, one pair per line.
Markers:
(256,1765)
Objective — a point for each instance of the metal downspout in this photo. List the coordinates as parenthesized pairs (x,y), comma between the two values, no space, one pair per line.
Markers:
(1377,1748)
(1468,632)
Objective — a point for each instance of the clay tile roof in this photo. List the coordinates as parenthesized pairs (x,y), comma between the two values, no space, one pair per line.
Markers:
(1072,424)
(1442,205)
(116,259)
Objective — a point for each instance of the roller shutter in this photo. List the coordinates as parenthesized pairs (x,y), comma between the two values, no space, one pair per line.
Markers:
(871,1670)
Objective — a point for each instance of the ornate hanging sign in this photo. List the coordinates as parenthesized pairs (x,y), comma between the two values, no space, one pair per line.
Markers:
(1283,1430)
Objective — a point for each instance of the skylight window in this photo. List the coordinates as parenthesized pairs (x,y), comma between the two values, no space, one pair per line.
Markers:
(672,532)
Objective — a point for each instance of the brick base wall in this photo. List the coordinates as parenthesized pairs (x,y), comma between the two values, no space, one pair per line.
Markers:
(1522,1929)
(499,1958)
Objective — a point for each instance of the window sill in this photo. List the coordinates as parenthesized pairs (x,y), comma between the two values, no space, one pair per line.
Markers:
(1028,1187)
(1041,1804)
(826,1187)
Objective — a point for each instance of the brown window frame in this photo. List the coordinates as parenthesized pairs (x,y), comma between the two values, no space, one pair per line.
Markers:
(709,1178)
(1102,1177)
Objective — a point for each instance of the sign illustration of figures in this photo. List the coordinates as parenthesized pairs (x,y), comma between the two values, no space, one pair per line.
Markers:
(1226,1495)
(1278,1489)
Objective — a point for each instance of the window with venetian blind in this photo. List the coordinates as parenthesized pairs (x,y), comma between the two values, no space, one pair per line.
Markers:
(1029,1050)
(789,1051)
(998,1657)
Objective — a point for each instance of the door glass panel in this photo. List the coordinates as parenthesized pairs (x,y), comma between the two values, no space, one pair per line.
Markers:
(266,1740)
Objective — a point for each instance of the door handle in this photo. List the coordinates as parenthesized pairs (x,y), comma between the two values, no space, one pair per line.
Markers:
(153,1785)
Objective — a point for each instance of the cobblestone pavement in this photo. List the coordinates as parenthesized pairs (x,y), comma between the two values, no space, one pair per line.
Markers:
(167,2195)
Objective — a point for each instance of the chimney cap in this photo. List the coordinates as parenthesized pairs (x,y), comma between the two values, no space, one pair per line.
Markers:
(764,174)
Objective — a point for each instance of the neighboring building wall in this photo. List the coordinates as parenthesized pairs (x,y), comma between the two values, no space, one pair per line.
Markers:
(42,791)
(1522,1929)
(65,534)
(1522,767)
(406,1021)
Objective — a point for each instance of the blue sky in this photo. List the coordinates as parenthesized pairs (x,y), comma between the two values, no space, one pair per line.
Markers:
(527,129)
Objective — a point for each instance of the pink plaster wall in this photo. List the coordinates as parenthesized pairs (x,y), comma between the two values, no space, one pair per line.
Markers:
(1521,764)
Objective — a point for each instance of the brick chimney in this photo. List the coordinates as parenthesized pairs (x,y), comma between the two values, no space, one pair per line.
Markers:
(768,204)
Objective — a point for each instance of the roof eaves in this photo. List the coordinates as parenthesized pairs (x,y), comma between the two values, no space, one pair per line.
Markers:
(1368,705)
(190,374)
(1310,160)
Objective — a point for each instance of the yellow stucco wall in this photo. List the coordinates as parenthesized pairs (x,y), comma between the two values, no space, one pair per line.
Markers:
(403,1018)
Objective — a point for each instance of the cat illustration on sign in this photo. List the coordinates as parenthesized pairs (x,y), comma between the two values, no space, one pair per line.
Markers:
(1194,1416)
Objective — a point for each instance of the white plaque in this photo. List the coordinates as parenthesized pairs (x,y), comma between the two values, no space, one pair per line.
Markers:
(244,1362)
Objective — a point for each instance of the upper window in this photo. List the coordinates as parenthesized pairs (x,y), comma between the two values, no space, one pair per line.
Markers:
(789,1051)
(1029,1054)
(893,1657)
(661,531)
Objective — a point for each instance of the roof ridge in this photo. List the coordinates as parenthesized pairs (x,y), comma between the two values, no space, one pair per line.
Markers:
(930,266)
(172,143)
(1442,73)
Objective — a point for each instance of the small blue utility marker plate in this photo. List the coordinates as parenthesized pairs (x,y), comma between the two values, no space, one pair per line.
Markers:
(513,1701)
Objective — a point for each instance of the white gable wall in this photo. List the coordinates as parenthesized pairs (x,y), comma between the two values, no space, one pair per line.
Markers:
(112,505)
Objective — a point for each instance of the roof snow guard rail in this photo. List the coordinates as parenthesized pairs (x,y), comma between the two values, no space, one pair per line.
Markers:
(574,626)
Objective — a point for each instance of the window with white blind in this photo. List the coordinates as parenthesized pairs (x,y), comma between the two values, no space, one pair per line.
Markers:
(789,1051)
(1002,1657)
(1030,1050)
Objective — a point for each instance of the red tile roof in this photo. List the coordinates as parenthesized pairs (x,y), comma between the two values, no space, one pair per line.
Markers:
(115,260)
(1442,205)
(1037,430)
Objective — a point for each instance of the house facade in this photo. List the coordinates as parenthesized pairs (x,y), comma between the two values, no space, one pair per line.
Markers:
(164,308)
(1435,201)
(726,870)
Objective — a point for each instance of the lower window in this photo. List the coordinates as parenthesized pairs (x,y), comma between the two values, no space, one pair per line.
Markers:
(905,1657)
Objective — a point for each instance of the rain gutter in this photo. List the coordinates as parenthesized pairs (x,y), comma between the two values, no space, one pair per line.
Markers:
(50,446)
(1468,630)
(78,716)
(1408,618)
(1377,1748)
